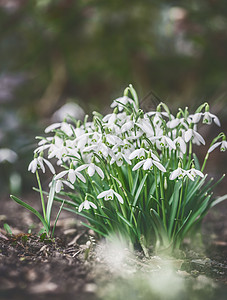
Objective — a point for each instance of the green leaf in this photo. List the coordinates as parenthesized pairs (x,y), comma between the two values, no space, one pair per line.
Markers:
(57,217)
(94,229)
(159,227)
(139,189)
(174,200)
(219,200)
(7,229)
(34,211)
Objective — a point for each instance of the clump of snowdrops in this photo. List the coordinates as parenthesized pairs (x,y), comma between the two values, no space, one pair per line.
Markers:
(130,173)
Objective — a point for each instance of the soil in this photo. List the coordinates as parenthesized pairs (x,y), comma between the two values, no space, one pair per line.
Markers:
(65,268)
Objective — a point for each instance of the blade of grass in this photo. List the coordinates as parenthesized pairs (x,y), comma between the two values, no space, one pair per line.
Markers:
(34,211)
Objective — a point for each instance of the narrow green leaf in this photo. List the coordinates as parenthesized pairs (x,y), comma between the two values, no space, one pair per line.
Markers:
(34,211)
(57,217)
(174,200)
(94,229)
(219,200)
(139,189)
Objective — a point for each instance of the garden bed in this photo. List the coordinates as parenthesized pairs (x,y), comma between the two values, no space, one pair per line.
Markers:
(65,269)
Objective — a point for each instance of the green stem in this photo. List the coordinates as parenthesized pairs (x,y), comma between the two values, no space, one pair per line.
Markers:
(162,200)
(156,189)
(179,208)
(205,161)
(41,196)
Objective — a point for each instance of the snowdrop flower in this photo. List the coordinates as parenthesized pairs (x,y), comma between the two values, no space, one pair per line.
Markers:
(195,118)
(223,145)
(139,153)
(195,136)
(208,117)
(86,205)
(109,195)
(178,173)
(179,142)
(123,100)
(7,155)
(166,142)
(59,185)
(192,173)
(174,122)
(119,159)
(128,126)
(65,127)
(148,164)
(72,174)
(39,161)
(145,125)
(91,169)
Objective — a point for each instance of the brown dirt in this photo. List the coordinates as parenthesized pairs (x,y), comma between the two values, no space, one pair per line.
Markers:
(44,269)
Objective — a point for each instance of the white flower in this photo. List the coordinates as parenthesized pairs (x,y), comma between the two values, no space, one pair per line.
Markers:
(195,118)
(148,164)
(59,185)
(86,205)
(128,126)
(7,155)
(208,117)
(165,141)
(174,122)
(109,195)
(122,100)
(65,127)
(119,159)
(178,173)
(91,169)
(138,153)
(179,142)
(72,174)
(39,162)
(194,172)
(195,136)
(223,145)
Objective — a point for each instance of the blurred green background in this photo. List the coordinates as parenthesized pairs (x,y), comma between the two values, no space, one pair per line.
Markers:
(87,52)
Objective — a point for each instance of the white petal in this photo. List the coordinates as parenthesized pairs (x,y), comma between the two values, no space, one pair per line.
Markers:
(82,167)
(72,176)
(81,206)
(52,127)
(134,154)
(198,172)
(33,165)
(159,166)
(80,176)
(120,199)
(214,146)
(138,165)
(199,137)
(40,162)
(49,165)
(100,172)
(154,157)
(61,174)
(216,120)
(175,174)
(91,170)
(148,164)
(86,204)
(188,135)
(196,117)
(170,143)
(103,194)
(58,186)
(93,204)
